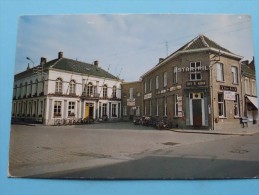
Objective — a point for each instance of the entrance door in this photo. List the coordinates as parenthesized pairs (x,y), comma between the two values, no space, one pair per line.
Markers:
(197,112)
(86,110)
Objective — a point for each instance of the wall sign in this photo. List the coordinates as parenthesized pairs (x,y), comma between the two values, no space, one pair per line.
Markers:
(130,102)
(148,96)
(229,95)
(192,69)
(195,83)
(227,88)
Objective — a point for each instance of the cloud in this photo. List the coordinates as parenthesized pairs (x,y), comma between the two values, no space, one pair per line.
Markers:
(131,42)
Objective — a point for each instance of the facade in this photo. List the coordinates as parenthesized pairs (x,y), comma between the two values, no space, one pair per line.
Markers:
(198,86)
(63,89)
(250,102)
(131,100)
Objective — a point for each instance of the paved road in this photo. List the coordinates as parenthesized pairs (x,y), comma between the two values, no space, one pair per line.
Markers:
(118,151)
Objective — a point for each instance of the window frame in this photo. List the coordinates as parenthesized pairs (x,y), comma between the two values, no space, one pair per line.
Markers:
(237,105)
(58,113)
(223,104)
(165,79)
(72,87)
(195,72)
(220,72)
(175,75)
(58,86)
(234,71)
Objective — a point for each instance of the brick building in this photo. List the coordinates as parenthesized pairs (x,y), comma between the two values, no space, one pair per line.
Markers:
(250,102)
(197,86)
(131,100)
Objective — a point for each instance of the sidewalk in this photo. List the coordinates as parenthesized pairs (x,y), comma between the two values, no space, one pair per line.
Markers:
(250,130)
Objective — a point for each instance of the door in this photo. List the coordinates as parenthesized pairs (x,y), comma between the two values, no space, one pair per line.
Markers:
(86,110)
(197,112)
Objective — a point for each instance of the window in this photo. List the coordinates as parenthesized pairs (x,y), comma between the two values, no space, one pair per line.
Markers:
(150,84)
(234,71)
(131,93)
(254,88)
(58,88)
(89,89)
(114,90)
(176,105)
(157,107)
(20,94)
(165,78)
(57,108)
(150,108)
(195,71)
(145,87)
(36,89)
(145,107)
(220,72)
(165,102)
(157,82)
(105,91)
(175,75)
(247,85)
(71,108)
(26,85)
(137,111)
(72,87)
(41,108)
(43,85)
(104,109)
(236,106)
(221,105)
(114,110)
(124,110)
(31,88)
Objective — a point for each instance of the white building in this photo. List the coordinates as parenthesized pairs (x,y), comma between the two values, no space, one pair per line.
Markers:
(63,89)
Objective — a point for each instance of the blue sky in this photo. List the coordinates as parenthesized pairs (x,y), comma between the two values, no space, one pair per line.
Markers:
(128,44)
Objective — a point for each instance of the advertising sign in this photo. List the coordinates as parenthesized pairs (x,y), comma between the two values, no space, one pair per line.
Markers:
(229,95)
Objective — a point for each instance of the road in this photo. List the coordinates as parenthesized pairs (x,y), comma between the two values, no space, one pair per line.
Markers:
(118,151)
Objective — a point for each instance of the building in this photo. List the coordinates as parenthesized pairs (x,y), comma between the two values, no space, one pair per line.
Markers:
(63,89)
(197,86)
(250,102)
(131,100)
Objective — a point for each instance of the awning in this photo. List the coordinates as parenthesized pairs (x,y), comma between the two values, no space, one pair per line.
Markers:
(253,100)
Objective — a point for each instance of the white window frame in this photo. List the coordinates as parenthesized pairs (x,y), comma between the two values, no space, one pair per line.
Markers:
(236,106)
(71,108)
(165,79)
(89,89)
(223,106)
(114,109)
(114,91)
(105,91)
(104,109)
(175,70)
(220,72)
(157,82)
(58,108)
(58,86)
(234,71)
(196,70)
(131,91)
(145,87)
(176,105)
(150,84)
(72,87)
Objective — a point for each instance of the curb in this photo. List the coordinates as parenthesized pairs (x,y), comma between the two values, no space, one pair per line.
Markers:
(213,133)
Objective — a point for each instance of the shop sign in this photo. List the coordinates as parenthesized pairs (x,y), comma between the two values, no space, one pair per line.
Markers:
(192,69)
(227,88)
(195,83)
(229,95)
(148,96)
(131,102)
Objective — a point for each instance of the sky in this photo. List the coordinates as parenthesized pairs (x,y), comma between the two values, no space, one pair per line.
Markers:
(126,45)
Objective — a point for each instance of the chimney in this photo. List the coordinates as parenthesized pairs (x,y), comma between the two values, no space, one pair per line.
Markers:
(161,60)
(96,63)
(60,55)
(43,61)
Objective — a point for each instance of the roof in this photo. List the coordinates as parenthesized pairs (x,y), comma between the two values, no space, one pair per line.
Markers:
(70,65)
(198,43)
(247,71)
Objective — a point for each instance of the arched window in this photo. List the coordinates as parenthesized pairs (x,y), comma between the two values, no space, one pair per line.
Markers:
(114,89)
(58,87)
(89,89)
(72,87)
(36,88)
(105,91)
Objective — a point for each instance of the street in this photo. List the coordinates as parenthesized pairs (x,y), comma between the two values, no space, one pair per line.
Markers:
(126,151)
